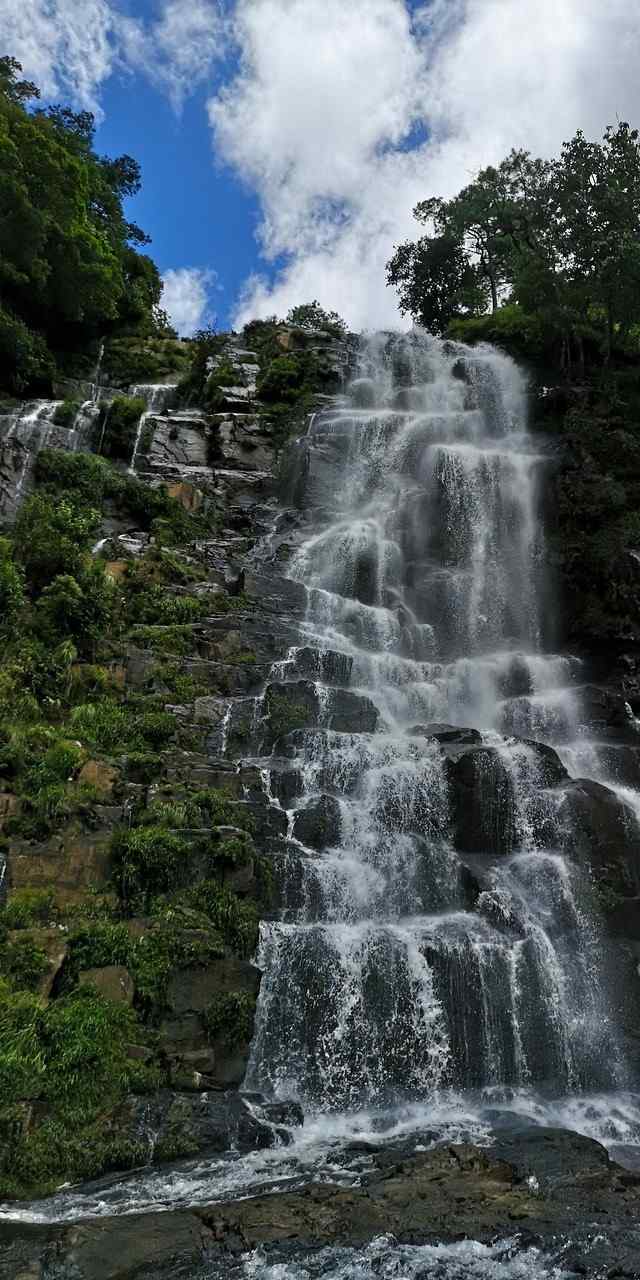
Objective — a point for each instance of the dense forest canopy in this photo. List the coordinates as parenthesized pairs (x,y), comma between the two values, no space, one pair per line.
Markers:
(547,248)
(71,269)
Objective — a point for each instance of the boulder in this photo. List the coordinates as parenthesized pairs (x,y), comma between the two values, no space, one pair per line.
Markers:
(102,776)
(194,1056)
(602,833)
(68,862)
(318,825)
(482,802)
(113,981)
(298,705)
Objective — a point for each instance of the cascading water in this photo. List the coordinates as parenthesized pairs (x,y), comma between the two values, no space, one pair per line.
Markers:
(156,396)
(401,967)
(435,971)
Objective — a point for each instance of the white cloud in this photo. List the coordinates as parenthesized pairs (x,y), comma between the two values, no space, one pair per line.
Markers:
(186,298)
(178,50)
(71,47)
(66,46)
(318,117)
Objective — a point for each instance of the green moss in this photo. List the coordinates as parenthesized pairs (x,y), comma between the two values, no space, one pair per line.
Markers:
(65,414)
(284,715)
(229,1019)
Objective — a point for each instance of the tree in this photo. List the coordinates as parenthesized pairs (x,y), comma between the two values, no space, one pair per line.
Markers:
(560,238)
(69,267)
(436,281)
(311,315)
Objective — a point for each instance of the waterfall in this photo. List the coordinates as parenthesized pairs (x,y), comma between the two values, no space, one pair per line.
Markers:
(157,396)
(436,934)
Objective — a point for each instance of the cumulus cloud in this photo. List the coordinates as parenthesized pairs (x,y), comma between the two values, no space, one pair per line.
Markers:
(66,46)
(342,116)
(71,47)
(177,51)
(186,298)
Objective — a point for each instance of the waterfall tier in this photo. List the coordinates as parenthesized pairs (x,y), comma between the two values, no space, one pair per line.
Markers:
(436,928)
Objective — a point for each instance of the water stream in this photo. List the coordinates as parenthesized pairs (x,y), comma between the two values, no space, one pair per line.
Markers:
(437,969)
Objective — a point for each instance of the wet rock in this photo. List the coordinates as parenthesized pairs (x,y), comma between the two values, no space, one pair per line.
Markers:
(556,1187)
(447,733)
(483,802)
(178,441)
(601,833)
(294,706)
(607,712)
(318,825)
(323,664)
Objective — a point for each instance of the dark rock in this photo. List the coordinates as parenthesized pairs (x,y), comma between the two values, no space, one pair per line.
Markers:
(183,1033)
(607,712)
(297,705)
(601,832)
(324,664)
(449,733)
(483,803)
(318,825)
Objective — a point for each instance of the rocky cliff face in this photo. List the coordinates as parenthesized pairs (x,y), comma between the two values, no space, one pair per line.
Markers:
(184,818)
(146,889)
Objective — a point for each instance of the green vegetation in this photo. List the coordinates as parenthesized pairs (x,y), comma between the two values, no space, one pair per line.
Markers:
(70,1057)
(144,358)
(117,426)
(230,1019)
(285,715)
(66,413)
(311,315)
(70,265)
(556,240)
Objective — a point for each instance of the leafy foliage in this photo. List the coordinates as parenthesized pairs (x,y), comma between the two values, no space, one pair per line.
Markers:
(560,238)
(70,269)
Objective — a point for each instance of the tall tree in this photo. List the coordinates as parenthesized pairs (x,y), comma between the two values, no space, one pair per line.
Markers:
(561,238)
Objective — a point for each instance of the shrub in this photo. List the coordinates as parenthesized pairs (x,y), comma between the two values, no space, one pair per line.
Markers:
(177,641)
(12,596)
(25,359)
(311,315)
(84,1040)
(105,725)
(158,607)
(237,921)
(65,414)
(51,537)
(23,963)
(230,1018)
(27,907)
(81,608)
(148,861)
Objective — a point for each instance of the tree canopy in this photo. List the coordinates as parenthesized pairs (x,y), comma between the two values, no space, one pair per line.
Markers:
(70,266)
(558,238)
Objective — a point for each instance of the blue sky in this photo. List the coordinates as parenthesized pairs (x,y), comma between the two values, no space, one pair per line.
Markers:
(197,211)
(284,143)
